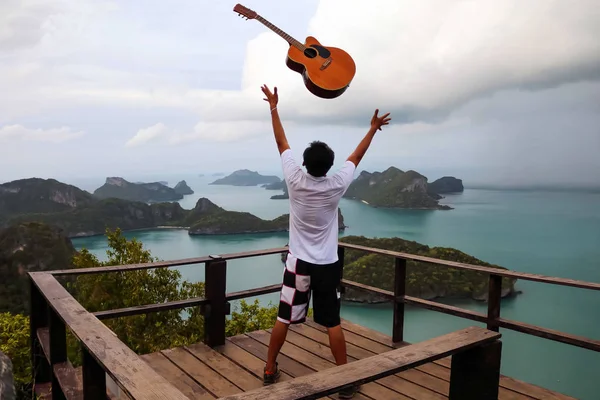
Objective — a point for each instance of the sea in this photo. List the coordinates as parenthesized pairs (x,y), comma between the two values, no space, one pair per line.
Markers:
(555,233)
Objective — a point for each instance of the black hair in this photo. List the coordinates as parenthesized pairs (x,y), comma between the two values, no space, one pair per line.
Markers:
(318,158)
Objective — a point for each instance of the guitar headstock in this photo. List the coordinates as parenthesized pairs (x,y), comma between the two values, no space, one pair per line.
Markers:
(245,12)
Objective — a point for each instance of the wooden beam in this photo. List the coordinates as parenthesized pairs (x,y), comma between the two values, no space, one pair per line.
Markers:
(475,373)
(477,268)
(494,301)
(214,320)
(58,350)
(446,309)
(551,334)
(134,376)
(173,305)
(399,292)
(40,357)
(372,368)
(164,264)
(94,378)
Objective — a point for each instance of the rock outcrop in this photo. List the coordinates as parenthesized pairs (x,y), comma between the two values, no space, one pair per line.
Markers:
(393,188)
(7,385)
(119,188)
(183,189)
(245,177)
(447,184)
(26,247)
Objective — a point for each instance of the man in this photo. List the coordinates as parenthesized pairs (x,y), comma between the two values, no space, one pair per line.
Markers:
(312,263)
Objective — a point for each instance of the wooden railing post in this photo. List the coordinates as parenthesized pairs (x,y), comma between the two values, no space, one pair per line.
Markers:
(494,299)
(475,373)
(58,350)
(38,319)
(94,377)
(399,292)
(215,287)
(341,253)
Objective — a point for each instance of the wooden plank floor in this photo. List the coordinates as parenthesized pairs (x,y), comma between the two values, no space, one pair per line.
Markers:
(203,373)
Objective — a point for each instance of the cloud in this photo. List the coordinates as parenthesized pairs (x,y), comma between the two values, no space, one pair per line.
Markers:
(10,133)
(146,135)
(421,61)
(216,132)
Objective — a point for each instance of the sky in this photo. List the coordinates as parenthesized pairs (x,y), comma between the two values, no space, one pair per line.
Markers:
(500,92)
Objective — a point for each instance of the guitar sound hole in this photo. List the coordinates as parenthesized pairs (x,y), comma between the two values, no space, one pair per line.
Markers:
(310,52)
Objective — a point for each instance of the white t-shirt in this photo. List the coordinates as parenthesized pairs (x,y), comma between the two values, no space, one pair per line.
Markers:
(314,210)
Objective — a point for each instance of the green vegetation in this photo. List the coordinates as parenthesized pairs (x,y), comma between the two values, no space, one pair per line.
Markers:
(119,188)
(393,188)
(78,213)
(97,292)
(245,177)
(14,342)
(25,247)
(446,184)
(423,280)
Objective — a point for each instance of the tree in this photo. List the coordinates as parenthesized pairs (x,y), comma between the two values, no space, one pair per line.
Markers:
(106,291)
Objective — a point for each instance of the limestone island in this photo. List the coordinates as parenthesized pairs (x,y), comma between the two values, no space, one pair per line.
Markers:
(183,188)
(79,213)
(119,188)
(245,177)
(423,280)
(394,188)
(281,185)
(445,185)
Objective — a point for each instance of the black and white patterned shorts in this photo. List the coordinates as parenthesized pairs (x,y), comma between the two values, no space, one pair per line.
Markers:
(300,278)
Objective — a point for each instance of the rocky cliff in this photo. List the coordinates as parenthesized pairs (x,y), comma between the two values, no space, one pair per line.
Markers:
(393,188)
(119,188)
(26,247)
(183,189)
(35,195)
(92,216)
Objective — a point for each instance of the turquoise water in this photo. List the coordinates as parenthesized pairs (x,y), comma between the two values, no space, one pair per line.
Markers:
(550,233)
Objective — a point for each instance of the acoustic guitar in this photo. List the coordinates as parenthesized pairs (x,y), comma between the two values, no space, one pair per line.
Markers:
(327,71)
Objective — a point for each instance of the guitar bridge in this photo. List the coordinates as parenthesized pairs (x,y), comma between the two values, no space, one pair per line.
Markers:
(326,64)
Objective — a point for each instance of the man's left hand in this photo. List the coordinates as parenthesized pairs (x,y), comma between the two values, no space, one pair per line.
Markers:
(272,98)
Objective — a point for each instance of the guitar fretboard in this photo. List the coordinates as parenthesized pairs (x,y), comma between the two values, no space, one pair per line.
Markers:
(288,38)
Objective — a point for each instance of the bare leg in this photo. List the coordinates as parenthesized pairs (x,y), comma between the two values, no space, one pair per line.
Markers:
(337,343)
(278,335)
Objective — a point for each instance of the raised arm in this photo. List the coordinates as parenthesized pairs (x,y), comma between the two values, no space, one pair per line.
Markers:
(361,149)
(272,99)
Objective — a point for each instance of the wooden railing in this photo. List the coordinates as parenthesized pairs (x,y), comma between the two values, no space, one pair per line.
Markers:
(53,310)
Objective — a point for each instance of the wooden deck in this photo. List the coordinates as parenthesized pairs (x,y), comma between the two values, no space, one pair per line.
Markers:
(204,373)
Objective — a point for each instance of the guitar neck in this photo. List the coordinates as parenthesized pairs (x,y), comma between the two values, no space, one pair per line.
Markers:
(285,36)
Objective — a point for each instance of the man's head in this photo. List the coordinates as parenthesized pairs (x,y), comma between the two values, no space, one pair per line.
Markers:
(318,159)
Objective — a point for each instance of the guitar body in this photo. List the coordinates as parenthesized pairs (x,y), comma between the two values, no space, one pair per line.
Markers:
(327,71)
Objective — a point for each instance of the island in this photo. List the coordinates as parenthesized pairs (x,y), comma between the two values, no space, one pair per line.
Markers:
(79,213)
(281,185)
(446,184)
(29,247)
(119,188)
(394,188)
(245,177)
(183,189)
(426,281)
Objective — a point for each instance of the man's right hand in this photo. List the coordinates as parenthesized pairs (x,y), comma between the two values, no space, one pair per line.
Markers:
(378,122)
(271,98)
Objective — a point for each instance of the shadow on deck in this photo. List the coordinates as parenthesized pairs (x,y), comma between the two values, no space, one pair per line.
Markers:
(204,373)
